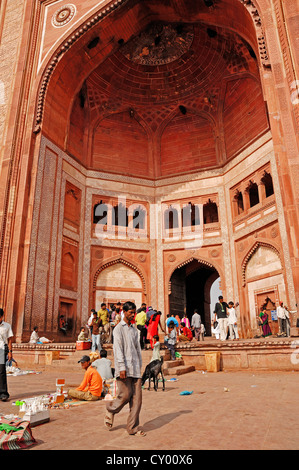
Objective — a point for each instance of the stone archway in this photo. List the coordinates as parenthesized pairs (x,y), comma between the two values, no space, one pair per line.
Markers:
(189,289)
(118,281)
(263,278)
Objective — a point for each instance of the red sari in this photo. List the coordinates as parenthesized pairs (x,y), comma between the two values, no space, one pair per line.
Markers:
(152,329)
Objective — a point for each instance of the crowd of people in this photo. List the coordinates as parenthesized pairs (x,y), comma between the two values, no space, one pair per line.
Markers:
(100,326)
(105,326)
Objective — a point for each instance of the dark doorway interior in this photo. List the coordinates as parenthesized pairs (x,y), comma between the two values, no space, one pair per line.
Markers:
(190,289)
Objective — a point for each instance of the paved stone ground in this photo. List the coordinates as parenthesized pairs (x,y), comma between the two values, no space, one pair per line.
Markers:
(258,411)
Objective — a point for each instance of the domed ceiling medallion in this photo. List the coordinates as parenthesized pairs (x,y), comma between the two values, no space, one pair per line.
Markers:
(159,44)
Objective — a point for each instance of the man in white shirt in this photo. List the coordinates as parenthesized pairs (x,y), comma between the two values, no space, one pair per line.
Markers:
(6,336)
(284,320)
(232,321)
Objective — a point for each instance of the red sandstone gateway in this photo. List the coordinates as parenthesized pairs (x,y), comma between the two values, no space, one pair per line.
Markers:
(189,104)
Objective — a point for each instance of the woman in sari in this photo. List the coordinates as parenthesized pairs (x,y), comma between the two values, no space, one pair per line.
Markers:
(152,329)
(264,323)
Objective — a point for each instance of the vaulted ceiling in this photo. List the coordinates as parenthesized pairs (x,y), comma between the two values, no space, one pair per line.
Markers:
(161,90)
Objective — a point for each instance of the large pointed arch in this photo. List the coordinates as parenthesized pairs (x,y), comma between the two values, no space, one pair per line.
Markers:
(200,260)
(251,252)
(117,260)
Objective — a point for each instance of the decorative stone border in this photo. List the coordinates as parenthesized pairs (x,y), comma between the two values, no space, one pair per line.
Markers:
(61,51)
(263,49)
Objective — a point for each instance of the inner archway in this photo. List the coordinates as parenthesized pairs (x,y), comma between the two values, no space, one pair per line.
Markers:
(191,289)
(118,283)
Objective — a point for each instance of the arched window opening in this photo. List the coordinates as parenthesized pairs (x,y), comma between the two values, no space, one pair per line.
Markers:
(268,183)
(240,202)
(139,215)
(171,218)
(120,216)
(190,215)
(210,212)
(253,194)
(100,213)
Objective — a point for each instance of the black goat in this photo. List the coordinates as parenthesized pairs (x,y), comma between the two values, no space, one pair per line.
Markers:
(152,371)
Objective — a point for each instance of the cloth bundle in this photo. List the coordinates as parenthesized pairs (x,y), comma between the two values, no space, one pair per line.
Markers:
(15,434)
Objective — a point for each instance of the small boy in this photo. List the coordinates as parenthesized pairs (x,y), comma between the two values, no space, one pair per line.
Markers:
(156,349)
(82,335)
(170,340)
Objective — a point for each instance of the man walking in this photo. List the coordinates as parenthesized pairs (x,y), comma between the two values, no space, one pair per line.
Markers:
(6,336)
(140,323)
(96,337)
(196,324)
(221,313)
(127,363)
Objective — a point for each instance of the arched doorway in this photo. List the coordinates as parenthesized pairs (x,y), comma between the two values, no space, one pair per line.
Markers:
(263,275)
(118,283)
(190,289)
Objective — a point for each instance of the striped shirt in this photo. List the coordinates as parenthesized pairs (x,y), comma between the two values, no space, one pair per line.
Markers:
(126,350)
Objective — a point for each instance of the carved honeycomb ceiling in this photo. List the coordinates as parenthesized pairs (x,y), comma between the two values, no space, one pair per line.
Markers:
(169,64)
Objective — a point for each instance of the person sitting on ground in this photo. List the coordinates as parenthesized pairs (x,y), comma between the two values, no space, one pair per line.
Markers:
(35,339)
(103,366)
(170,339)
(185,333)
(82,335)
(91,387)
(156,349)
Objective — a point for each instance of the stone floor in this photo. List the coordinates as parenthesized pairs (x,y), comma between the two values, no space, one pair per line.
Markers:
(226,411)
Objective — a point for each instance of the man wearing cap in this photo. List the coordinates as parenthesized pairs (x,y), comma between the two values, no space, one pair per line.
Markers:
(92,384)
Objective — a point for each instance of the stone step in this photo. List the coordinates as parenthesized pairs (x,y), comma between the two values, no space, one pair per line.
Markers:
(70,362)
(172,364)
(179,370)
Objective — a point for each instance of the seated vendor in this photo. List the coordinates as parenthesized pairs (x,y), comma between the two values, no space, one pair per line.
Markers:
(91,386)
(35,339)
(185,333)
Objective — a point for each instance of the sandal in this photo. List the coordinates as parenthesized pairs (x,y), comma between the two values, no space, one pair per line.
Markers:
(139,433)
(108,421)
